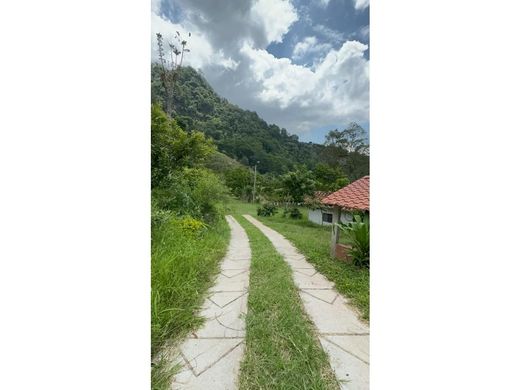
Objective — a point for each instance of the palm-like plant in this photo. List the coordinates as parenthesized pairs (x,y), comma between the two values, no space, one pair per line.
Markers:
(358,236)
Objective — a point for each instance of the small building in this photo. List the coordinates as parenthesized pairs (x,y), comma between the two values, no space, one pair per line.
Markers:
(354,197)
(320,213)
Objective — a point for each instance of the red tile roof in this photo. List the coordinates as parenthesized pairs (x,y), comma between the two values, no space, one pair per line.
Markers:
(316,197)
(355,196)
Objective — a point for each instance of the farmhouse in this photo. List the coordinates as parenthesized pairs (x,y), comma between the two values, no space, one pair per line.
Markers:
(320,213)
(354,197)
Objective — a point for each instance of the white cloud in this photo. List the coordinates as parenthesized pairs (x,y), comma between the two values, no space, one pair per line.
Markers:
(361,4)
(309,45)
(277,16)
(156,6)
(364,31)
(228,43)
(201,52)
(336,90)
(280,80)
(323,3)
(329,33)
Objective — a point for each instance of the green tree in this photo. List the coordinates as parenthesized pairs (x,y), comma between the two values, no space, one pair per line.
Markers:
(329,178)
(240,182)
(173,148)
(351,139)
(297,184)
(347,149)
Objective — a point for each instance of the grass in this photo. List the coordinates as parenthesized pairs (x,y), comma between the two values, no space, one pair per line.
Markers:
(313,241)
(282,351)
(183,265)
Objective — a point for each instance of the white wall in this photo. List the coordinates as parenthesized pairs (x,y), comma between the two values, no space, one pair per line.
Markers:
(316,216)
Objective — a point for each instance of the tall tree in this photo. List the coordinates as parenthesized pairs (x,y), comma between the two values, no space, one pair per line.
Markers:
(351,139)
(329,178)
(170,69)
(347,149)
(297,184)
(240,182)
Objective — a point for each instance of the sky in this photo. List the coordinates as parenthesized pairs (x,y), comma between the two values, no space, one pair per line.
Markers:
(300,64)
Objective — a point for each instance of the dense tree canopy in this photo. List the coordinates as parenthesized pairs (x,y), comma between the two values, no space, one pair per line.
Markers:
(174,148)
(329,178)
(238,133)
(297,184)
(246,138)
(180,183)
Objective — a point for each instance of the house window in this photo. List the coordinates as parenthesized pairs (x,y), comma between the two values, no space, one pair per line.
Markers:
(326,217)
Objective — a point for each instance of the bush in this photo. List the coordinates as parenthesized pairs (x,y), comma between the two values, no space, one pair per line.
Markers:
(191,225)
(194,192)
(173,148)
(294,213)
(358,236)
(159,216)
(266,210)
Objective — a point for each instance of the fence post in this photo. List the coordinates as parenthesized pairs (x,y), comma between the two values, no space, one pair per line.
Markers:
(335,231)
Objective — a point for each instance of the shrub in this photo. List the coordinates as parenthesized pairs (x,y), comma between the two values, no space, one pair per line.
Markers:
(267,210)
(159,216)
(293,213)
(191,225)
(358,236)
(194,192)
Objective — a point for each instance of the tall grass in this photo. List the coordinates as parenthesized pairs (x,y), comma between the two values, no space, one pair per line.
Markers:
(183,266)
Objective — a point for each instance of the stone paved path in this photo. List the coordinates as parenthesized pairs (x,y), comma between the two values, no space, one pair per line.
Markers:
(211,356)
(342,335)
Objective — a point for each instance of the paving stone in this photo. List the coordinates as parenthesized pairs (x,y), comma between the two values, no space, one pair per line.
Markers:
(229,325)
(242,277)
(332,318)
(222,376)
(235,265)
(224,298)
(315,281)
(308,271)
(210,310)
(295,257)
(227,284)
(204,353)
(238,255)
(232,273)
(354,344)
(352,373)
(299,264)
(327,296)
(233,259)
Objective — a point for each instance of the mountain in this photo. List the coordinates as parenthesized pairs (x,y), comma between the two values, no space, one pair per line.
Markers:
(238,133)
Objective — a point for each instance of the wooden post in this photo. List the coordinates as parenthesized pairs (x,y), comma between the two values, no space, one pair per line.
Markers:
(335,231)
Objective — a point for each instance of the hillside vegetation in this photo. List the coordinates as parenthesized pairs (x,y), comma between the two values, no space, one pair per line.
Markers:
(243,135)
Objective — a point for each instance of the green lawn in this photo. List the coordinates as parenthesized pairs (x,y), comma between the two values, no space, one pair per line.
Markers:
(182,269)
(313,241)
(282,351)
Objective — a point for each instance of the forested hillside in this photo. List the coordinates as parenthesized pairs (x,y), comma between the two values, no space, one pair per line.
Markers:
(243,135)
